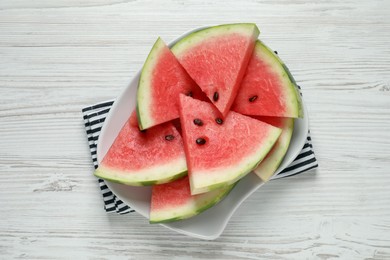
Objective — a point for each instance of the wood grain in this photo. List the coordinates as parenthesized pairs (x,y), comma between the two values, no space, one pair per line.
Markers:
(57,56)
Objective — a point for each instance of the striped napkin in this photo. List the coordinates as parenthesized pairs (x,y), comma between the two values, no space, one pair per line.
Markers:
(94,117)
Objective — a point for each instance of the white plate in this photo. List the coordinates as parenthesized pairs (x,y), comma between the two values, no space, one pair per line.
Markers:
(211,223)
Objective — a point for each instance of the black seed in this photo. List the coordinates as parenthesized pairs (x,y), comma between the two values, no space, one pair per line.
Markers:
(143,131)
(189,94)
(252,99)
(169,137)
(219,121)
(216,96)
(276,52)
(200,141)
(198,122)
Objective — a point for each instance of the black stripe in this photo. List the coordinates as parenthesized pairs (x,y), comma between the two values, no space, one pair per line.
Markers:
(299,165)
(112,209)
(308,138)
(312,167)
(101,120)
(105,104)
(102,112)
(126,212)
(99,113)
(90,138)
(92,146)
(94,130)
(107,194)
(85,109)
(93,152)
(302,155)
(110,201)
(97,129)
(307,145)
(104,188)
(123,208)
(85,117)
(118,203)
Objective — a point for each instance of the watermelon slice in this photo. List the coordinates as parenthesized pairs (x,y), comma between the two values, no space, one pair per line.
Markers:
(221,151)
(148,157)
(271,162)
(162,79)
(268,88)
(216,58)
(173,201)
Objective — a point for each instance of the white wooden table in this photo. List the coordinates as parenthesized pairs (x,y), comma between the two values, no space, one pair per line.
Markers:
(58,56)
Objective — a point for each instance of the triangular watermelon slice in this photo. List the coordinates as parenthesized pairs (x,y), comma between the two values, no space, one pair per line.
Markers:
(268,88)
(162,79)
(173,201)
(148,157)
(216,58)
(221,151)
(271,162)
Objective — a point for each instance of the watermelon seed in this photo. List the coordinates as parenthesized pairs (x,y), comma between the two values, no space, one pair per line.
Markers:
(169,137)
(219,121)
(276,52)
(198,122)
(189,94)
(216,96)
(252,99)
(200,141)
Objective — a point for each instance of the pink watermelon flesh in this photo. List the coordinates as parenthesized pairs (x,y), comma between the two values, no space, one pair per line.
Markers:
(155,155)
(278,122)
(231,149)
(173,201)
(268,88)
(161,82)
(218,62)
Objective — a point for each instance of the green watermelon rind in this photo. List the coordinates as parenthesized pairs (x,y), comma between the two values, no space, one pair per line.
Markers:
(199,36)
(134,179)
(293,87)
(232,175)
(266,169)
(145,120)
(181,213)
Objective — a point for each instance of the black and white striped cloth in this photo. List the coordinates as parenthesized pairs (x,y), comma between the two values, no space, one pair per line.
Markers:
(94,117)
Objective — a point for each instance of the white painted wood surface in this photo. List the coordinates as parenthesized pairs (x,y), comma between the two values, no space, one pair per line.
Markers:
(57,56)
